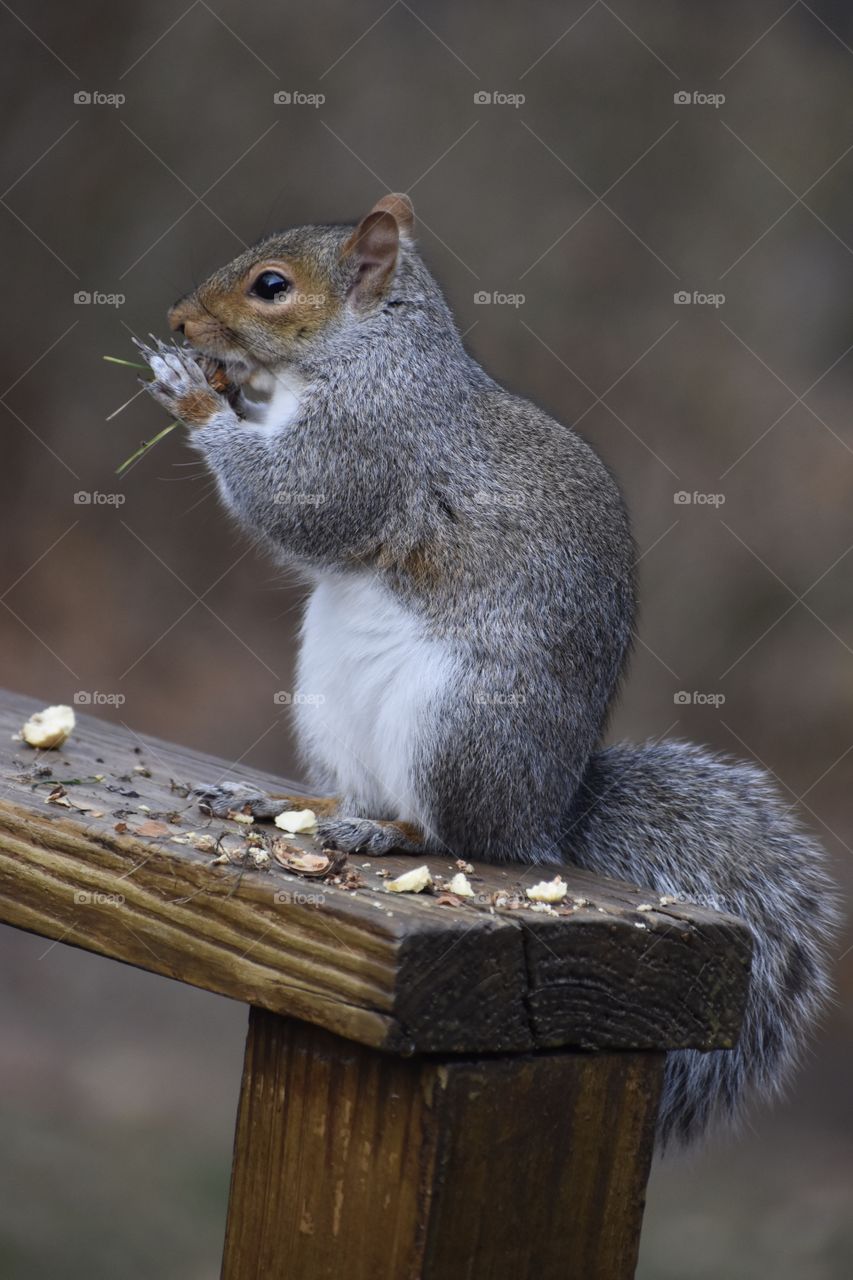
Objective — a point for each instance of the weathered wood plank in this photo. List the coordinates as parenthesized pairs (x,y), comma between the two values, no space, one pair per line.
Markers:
(398,972)
(351,1162)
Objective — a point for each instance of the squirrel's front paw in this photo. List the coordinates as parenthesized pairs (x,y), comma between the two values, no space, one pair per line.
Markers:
(186,384)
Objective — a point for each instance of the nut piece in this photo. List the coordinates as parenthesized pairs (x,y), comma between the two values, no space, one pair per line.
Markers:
(49,728)
(298,822)
(411,881)
(548,890)
(239,815)
(461,886)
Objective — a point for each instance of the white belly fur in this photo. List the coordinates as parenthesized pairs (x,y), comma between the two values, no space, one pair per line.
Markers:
(368,680)
(285,389)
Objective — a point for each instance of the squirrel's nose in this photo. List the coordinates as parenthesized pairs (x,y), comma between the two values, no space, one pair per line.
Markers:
(178,317)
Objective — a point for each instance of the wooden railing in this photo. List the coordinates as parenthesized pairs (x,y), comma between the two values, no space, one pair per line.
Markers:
(431,1089)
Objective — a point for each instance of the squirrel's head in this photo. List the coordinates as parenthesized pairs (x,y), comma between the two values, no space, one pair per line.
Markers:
(289,294)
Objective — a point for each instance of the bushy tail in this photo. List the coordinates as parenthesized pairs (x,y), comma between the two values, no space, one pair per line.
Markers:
(686,822)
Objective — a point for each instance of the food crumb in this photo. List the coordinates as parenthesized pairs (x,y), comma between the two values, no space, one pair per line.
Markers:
(298,822)
(411,881)
(460,885)
(548,890)
(204,843)
(48,729)
(239,815)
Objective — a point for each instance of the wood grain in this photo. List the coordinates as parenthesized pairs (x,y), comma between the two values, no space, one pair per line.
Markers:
(397,972)
(348,1162)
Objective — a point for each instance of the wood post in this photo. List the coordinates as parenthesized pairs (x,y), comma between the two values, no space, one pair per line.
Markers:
(355,1164)
(430,1091)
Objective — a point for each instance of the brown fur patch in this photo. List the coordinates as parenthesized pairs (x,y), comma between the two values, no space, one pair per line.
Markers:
(310,305)
(197,407)
(223,317)
(420,565)
(323,806)
(409,833)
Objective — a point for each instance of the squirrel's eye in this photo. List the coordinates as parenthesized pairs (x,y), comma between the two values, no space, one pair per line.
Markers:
(270,285)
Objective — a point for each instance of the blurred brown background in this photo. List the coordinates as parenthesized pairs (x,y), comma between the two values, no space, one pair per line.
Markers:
(599,198)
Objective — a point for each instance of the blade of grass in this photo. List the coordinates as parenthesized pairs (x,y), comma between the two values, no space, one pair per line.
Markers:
(131,364)
(145,446)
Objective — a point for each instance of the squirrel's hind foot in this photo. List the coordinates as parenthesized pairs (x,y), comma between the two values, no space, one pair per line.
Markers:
(369,836)
(349,834)
(218,799)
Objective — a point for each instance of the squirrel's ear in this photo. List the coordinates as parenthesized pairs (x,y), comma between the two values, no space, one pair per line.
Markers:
(373,247)
(401,208)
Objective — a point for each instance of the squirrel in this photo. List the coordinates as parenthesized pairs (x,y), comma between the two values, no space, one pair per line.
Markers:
(472,607)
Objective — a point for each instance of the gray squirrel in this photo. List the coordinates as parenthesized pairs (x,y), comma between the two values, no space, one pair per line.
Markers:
(472,608)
